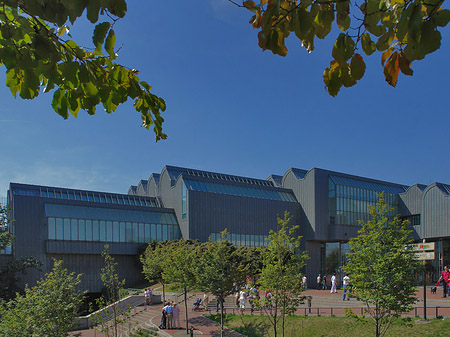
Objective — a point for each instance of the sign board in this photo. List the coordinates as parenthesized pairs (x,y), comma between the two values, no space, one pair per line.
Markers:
(422,256)
(422,246)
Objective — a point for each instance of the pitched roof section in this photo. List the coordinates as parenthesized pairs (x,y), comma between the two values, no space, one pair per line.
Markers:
(132,190)
(276,179)
(174,172)
(444,188)
(299,173)
(373,185)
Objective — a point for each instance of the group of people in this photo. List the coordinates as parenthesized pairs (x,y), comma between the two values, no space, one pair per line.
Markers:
(148,294)
(323,285)
(170,316)
(346,284)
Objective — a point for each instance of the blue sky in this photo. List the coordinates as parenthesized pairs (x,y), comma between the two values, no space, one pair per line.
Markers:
(232,108)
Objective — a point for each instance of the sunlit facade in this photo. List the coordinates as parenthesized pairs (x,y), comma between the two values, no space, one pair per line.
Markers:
(330,207)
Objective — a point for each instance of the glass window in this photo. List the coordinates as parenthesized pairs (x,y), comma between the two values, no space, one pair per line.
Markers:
(114,199)
(129,232)
(63,195)
(109,231)
(102,198)
(96,198)
(165,232)
(116,236)
(102,230)
(74,227)
(122,231)
(153,232)
(66,229)
(51,194)
(141,233)
(43,193)
(147,233)
(81,230)
(89,230)
(77,196)
(147,202)
(95,231)
(51,228)
(108,199)
(120,200)
(135,232)
(158,232)
(57,195)
(71,196)
(90,197)
(127,202)
(83,196)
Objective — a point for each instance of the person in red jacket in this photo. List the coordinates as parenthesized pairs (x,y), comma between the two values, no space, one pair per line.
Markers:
(445,277)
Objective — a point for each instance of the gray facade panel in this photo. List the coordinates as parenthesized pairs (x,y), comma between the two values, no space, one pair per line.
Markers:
(212,213)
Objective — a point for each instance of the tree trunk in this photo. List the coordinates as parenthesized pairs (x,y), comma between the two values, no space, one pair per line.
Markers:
(221,316)
(185,309)
(164,294)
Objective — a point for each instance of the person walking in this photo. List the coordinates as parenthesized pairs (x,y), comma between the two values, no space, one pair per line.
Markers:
(319,282)
(347,287)
(333,284)
(324,282)
(304,282)
(445,278)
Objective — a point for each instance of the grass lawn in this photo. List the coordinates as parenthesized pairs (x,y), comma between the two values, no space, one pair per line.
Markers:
(312,326)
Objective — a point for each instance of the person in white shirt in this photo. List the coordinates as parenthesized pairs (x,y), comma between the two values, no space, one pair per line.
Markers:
(347,287)
(319,282)
(304,282)
(176,317)
(333,284)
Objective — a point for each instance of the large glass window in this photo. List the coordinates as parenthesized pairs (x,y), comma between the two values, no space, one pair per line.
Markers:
(51,228)
(102,224)
(66,229)
(95,231)
(81,230)
(89,230)
(74,229)
(116,231)
(109,231)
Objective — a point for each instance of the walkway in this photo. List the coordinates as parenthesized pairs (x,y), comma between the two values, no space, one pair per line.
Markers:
(321,303)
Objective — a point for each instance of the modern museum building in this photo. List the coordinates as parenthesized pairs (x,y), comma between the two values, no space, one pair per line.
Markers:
(74,225)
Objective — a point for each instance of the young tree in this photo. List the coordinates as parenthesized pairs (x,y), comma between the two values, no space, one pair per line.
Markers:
(110,301)
(40,56)
(382,268)
(179,268)
(153,262)
(218,269)
(281,273)
(47,309)
(401,31)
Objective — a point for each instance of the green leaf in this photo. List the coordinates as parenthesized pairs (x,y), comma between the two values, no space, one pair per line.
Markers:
(357,67)
(442,17)
(110,42)
(367,44)
(415,23)
(93,8)
(99,35)
(117,7)
(430,39)
(343,48)
(90,89)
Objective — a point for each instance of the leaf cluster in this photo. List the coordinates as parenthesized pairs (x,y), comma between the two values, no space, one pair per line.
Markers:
(47,309)
(37,57)
(401,30)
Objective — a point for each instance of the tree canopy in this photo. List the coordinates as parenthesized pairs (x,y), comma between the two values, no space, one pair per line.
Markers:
(39,54)
(382,268)
(402,31)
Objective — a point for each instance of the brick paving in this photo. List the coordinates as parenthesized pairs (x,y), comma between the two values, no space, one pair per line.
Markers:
(322,303)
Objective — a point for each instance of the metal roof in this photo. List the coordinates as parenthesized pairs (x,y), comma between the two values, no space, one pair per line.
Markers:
(374,185)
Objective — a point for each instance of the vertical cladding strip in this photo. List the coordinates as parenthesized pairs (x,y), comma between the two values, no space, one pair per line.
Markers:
(31,233)
(435,218)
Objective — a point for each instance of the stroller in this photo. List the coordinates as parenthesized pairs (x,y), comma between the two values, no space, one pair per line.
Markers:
(196,305)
